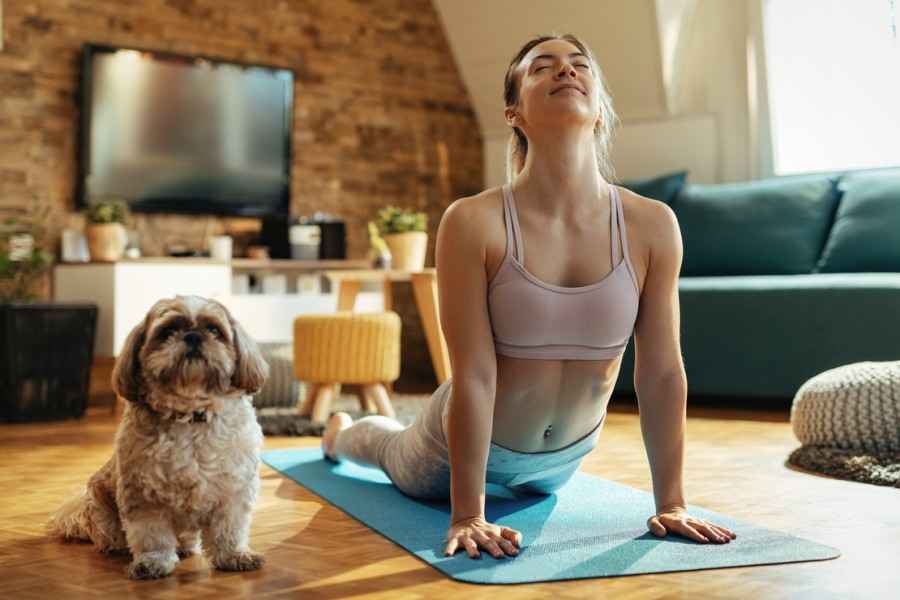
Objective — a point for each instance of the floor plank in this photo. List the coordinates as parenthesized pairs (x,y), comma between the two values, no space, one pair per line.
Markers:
(735,464)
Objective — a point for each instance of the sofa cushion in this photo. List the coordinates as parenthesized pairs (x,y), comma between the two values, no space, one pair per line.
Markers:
(866,231)
(767,227)
(662,187)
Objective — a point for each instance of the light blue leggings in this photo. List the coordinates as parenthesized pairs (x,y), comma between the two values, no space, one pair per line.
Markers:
(416,459)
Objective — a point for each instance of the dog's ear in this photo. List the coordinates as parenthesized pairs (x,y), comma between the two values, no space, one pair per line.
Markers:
(126,375)
(251,370)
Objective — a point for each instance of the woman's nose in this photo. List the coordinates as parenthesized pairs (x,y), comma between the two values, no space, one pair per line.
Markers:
(566,71)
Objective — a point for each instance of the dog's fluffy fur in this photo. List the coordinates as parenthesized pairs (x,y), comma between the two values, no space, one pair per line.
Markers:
(185,464)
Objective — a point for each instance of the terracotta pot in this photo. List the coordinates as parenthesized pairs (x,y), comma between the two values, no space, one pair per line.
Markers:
(106,241)
(407,249)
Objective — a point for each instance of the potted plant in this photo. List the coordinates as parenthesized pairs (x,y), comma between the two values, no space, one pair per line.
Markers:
(405,233)
(23,260)
(105,230)
(46,349)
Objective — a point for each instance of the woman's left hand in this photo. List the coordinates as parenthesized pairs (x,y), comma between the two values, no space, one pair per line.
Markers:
(677,520)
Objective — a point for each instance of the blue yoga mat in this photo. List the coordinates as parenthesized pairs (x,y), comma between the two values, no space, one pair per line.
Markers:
(590,528)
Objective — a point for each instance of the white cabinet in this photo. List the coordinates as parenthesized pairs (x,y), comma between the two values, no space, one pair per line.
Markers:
(125,290)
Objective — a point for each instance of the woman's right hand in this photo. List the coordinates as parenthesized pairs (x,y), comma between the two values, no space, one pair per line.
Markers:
(475,532)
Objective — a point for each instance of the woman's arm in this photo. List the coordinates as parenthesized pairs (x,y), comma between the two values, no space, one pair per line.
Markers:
(661,383)
(659,378)
(462,302)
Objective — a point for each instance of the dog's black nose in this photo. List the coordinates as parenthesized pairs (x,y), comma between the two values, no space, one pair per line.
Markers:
(193,339)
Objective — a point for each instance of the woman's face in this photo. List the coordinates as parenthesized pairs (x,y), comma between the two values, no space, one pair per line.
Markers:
(556,85)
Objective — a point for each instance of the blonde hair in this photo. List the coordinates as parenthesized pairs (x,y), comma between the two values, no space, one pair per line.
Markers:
(517,147)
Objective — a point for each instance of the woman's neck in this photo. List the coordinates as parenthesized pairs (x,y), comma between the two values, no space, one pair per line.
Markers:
(560,177)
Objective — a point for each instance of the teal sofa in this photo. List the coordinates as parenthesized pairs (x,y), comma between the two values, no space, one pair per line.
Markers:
(782,278)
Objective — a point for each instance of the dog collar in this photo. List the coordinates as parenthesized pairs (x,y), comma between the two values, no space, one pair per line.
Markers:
(198,416)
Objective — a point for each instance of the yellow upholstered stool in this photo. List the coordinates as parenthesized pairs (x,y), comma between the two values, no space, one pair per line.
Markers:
(346,347)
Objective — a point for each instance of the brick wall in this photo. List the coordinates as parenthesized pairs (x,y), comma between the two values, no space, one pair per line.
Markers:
(380,115)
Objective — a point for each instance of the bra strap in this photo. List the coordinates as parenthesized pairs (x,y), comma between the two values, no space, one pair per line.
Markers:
(512,223)
(614,225)
(620,217)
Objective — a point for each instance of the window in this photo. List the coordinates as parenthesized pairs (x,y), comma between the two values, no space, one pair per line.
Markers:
(833,70)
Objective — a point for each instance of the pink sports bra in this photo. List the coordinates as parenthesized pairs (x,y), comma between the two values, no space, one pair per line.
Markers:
(534,319)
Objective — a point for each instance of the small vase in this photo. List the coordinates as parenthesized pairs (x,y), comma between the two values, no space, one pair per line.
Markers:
(407,249)
(106,241)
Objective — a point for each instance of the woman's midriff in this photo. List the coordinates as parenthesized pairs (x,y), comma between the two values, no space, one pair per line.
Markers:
(544,405)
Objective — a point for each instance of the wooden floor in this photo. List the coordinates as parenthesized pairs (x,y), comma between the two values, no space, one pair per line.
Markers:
(735,465)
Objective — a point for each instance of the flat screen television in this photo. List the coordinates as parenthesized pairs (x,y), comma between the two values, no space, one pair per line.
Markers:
(184,134)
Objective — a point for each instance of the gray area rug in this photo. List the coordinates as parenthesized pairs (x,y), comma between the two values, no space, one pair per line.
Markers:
(881,468)
(286,421)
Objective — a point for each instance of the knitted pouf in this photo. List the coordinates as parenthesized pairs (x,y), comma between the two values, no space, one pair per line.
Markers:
(281,388)
(848,422)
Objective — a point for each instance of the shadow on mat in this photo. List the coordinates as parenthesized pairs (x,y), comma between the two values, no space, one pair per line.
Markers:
(385,504)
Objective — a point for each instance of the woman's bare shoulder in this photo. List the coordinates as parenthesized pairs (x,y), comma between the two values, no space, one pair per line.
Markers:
(478,204)
(481,213)
(648,218)
(651,226)
(479,219)
(641,209)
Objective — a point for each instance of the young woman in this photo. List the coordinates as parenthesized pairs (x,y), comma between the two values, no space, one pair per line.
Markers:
(536,338)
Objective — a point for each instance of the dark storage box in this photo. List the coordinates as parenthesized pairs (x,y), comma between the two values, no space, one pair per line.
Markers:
(46,352)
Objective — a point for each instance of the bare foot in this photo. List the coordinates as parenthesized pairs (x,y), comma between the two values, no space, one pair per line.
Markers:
(338,422)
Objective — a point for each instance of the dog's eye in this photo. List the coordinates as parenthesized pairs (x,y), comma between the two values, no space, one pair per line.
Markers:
(214,330)
(166,333)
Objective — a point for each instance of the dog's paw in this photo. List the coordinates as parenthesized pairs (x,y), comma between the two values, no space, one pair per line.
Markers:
(239,561)
(152,565)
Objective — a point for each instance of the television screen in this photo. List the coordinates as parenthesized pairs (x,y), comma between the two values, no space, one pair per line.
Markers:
(173,133)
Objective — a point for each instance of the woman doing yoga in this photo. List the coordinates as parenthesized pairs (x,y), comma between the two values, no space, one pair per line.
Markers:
(536,338)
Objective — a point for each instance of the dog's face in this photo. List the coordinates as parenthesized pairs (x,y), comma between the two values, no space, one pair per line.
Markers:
(191,350)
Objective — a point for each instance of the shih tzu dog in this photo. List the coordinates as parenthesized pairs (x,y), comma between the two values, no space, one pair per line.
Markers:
(185,463)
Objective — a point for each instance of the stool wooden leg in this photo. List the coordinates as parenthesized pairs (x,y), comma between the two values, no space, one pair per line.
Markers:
(322,403)
(370,398)
(306,407)
(366,404)
(379,395)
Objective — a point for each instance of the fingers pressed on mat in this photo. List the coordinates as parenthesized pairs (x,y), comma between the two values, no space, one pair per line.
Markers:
(492,547)
(512,535)
(696,534)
